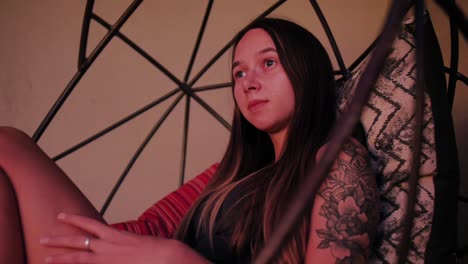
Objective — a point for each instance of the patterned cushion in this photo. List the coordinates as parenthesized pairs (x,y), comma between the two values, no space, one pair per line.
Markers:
(164,216)
(388,122)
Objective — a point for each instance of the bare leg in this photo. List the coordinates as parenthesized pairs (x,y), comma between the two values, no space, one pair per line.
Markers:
(42,190)
(11,243)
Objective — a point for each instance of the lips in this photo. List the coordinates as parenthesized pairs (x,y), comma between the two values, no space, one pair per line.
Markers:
(256,104)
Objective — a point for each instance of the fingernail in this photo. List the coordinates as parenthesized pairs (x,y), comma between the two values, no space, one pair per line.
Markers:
(44,240)
(61,216)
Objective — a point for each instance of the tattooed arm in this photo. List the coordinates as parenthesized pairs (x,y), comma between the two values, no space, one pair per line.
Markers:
(345,212)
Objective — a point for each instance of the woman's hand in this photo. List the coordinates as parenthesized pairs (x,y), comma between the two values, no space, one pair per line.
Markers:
(108,245)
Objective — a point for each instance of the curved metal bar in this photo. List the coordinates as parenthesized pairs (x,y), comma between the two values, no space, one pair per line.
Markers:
(115,125)
(212,87)
(87,63)
(463,199)
(462,252)
(407,222)
(337,73)
(140,51)
(331,39)
(342,129)
(362,56)
(452,10)
(212,111)
(199,38)
(85,33)
(137,154)
(229,44)
(454,50)
(457,75)
(184,141)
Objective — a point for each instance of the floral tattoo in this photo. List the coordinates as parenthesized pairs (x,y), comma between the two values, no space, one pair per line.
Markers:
(350,207)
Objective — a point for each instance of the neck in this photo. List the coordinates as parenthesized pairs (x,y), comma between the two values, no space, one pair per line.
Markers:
(278,141)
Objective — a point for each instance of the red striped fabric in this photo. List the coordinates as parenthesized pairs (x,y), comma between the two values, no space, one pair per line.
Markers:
(162,218)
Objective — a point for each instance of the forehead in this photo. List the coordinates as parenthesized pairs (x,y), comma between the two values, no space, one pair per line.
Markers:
(252,42)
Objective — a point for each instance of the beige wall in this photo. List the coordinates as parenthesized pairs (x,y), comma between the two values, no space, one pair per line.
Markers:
(38,54)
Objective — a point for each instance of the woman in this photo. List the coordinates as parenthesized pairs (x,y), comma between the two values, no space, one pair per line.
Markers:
(283,88)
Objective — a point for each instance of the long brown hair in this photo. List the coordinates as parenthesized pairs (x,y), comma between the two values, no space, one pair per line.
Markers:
(249,161)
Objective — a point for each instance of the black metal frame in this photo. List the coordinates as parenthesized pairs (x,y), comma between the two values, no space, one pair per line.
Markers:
(186,88)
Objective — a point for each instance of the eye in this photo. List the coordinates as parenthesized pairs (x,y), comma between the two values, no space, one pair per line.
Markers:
(269,63)
(239,74)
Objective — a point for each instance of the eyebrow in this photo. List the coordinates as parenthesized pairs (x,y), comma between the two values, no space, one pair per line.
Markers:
(265,50)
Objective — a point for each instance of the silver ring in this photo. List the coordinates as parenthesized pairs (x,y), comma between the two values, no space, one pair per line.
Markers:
(87,243)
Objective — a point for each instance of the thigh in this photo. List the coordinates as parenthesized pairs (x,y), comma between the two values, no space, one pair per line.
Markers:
(42,190)
(11,242)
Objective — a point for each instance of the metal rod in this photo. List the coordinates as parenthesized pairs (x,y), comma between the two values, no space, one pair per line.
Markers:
(331,39)
(454,50)
(184,141)
(140,51)
(462,252)
(408,217)
(229,44)
(212,111)
(337,72)
(463,199)
(342,129)
(115,125)
(86,64)
(362,56)
(453,11)
(58,104)
(212,87)
(199,38)
(138,153)
(458,75)
(85,33)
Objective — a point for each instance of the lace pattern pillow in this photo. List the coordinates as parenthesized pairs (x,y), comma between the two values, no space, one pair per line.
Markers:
(388,122)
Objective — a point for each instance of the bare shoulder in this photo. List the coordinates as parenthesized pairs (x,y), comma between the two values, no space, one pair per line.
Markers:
(351,147)
(345,213)
(350,177)
(351,164)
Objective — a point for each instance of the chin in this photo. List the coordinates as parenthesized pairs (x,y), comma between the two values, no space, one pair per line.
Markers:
(262,126)
(267,128)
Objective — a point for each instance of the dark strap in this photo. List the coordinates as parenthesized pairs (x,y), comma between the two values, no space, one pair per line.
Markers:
(443,239)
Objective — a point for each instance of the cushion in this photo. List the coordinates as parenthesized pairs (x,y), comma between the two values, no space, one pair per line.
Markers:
(163,217)
(388,123)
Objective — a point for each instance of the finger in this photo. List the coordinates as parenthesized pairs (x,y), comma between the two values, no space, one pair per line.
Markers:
(73,242)
(76,257)
(87,224)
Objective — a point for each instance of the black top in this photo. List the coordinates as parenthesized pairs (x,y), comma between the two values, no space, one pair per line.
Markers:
(221,251)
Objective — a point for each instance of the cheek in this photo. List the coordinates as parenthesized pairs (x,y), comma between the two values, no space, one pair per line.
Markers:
(289,95)
(237,96)
(288,101)
(285,93)
(291,99)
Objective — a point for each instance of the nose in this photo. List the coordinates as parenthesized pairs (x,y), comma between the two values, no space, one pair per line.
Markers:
(251,82)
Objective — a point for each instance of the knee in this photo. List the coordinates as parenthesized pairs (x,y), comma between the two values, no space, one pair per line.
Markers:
(12,136)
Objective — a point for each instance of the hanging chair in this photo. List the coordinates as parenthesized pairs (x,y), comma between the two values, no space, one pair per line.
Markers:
(387,125)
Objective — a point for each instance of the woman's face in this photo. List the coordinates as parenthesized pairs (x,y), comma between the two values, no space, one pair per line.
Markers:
(262,89)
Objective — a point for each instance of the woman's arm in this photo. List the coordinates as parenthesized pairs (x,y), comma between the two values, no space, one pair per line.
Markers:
(345,212)
(108,245)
